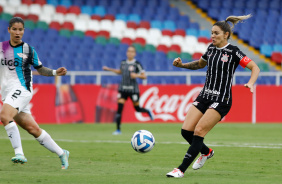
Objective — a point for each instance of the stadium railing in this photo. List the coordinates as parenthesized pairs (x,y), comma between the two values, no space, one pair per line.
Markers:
(188,75)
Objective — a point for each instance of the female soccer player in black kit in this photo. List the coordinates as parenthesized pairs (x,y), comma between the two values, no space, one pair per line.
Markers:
(215,99)
(130,69)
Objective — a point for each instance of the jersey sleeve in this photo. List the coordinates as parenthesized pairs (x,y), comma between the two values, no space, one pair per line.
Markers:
(205,56)
(139,68)
(241,58)
(36,63)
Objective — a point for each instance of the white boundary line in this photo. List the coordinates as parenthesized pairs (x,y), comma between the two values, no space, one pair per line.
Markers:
(231,144)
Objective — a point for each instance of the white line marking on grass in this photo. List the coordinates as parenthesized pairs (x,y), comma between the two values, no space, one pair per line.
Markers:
(228,144)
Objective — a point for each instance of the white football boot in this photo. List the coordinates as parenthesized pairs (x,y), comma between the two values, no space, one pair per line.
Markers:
(176,173)
(202,159)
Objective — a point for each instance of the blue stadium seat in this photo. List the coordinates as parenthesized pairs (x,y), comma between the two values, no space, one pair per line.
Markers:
(157,24)
(192,32)
(121,17)
(66,3)
(125,10)
(266,50)
(99,10)
(90,3)
(78,3)
(134,18)
(53,2)
(205,33)
(86,9)
(169,25)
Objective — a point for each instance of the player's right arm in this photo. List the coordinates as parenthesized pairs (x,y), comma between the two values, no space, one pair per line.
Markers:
(117,71)
(194,65)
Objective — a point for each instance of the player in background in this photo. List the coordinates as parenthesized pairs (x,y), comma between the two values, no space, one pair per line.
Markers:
(130,69)
(16,89)
(215,99)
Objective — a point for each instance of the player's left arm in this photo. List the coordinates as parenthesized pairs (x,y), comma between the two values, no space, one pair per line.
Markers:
(254,75)
(49,72)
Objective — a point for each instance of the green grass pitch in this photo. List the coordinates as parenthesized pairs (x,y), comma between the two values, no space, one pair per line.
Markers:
(244,154)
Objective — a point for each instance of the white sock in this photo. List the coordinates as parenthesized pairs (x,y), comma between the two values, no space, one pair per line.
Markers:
(45,140)
(14,136)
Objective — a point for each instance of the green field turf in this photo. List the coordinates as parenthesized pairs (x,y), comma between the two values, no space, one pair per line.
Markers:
(244,153)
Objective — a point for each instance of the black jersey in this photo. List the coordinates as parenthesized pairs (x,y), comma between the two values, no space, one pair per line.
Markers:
(221,63)
(128,84)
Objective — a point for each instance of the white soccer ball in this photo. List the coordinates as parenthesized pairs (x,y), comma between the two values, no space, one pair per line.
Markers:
(142,141)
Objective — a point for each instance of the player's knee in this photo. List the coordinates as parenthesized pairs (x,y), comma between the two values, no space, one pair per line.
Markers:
(5,118)
(200,131)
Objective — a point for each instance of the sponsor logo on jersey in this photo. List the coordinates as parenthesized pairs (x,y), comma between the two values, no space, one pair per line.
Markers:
(213,92)
(10,63)
(214,105)
(22,55)
(224,58)
(131,68)
(195,103)
(228,50)
(239,55)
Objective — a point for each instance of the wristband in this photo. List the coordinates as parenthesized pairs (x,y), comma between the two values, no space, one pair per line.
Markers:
(54,72)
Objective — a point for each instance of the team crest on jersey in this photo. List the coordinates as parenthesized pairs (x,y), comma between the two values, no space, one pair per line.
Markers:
(131,68)
(224,58)
(22,55)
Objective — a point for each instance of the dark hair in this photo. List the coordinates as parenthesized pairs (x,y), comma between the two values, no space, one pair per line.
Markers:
(132,46)
(225,26)
(15,20)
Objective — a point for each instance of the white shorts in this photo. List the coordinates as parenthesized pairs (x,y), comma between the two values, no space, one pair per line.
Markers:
(19,98)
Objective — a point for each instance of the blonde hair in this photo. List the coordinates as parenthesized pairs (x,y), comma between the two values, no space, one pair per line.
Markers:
(225,26)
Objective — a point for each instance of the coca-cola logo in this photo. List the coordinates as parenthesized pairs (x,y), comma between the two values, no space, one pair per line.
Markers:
(165,107)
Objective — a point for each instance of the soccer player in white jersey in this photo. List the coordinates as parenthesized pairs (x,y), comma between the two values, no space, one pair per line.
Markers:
(16,89)
(215,99)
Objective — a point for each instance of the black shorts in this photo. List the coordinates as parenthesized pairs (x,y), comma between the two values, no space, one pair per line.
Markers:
(204,104)
(134,96)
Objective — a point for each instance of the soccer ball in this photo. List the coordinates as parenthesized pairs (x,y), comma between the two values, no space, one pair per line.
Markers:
(142,141)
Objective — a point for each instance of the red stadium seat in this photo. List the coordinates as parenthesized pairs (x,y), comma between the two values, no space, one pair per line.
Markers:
(196,55)
(55,25)
(104,33)
(68,25)
(40,2)
(175,48)
(145,24)
(74,9)
(96,17)
(141,41)
(276,57)
(20,15)
(27,2)
(32,17)
(109,17)
(1,9)
(204,40)
(162,48)
(166,32)
(61,9)
(132,25)
(90,33)
(180,32)
(127,41)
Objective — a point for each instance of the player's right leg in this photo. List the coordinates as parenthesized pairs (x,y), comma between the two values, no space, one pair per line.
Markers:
(6,115)
(121,102)
(26,121)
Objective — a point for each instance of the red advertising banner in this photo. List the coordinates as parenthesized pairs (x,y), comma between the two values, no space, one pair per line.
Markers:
(170,103)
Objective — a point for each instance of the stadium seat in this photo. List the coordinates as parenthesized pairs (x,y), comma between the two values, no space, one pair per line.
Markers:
(180,32)
(276,57)
(10,9)
(142,33)
(157,25)
(196,56)
(132,25)
(86,10)
(103,33)
(127,41)
(266,50)
(169,25)
(61,9)
(32,17)
(106,25)
(109,17)
(27,2)
(55,25)
(119,25)
(42,25)
(150,48)
(204,40)
(162,48)
(45,18)
(134,18)
(192,32)
(20,15)
(122,17)
(130,33)
(35,9)
(140,41)
(175,48)
(58,17)
(166,32)
(96,17)
(172,55)
(74,9)
(144,24)
(40,2)
(93,25)
(90,33)
(166,40)
(115,41)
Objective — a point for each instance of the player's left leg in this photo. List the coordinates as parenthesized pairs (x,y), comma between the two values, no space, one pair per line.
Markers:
(141,109)
(206,123)
(26,121)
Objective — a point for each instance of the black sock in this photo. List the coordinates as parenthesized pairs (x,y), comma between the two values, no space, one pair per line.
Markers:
(192,152)
(188,136)
(140,109)
(118,115)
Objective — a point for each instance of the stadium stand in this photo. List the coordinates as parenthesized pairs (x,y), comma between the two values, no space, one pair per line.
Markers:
(72,29)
